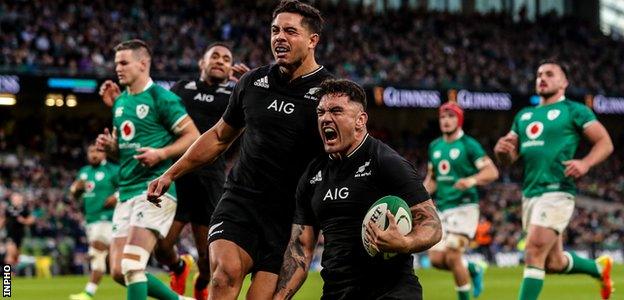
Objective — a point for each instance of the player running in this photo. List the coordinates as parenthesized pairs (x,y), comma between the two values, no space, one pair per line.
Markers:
(358,171)
(96,185)
(150,127)
(545,137)
(457,165)
(205,100)
(274,106)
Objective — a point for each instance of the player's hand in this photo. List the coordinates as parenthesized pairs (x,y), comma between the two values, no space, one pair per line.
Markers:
(506,144)
(465,183)
(109,91)
(575,168)
(149,157)
(157,188)
(389,240)
(80,185)
(238,69)
(105,141)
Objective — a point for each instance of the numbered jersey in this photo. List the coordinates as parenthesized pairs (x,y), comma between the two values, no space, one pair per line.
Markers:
(451,161)
(100,183)
(146,119)
(548,135)
(281,135)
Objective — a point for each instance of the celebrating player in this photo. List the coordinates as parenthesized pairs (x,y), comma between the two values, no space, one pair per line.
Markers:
(17,217)
(545,138)
(97,185)
(150,127)
(363,170)
(457,164)
(205,100)
(274,106)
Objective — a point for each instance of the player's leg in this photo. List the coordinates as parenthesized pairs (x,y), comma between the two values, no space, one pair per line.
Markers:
(455,245)
(229,264)
(438,258)
(115,255)
(262,286)
(99,237)
(12,253)
(166,253)
(147,224)
(540,240)
(202,279)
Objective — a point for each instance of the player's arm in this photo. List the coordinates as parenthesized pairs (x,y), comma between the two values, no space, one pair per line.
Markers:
(203,151)
(426,231)
(297,260)
(487,174)
(77,188)
(602,146)
(187,133)
(111,200)
(430,182)
(506,149)
(26,219)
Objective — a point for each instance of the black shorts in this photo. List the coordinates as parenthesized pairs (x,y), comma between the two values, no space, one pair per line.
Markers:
(198,194)
(406,287)
(16,238)
(259,230)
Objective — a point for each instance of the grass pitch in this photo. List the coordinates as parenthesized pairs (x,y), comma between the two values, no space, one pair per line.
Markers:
(501,284)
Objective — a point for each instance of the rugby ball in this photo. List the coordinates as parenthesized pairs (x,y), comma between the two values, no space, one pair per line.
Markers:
(377,214)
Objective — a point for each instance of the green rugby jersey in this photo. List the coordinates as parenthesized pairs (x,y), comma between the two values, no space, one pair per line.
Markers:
(451,161)
(146,119)
(100,183)
(548,135)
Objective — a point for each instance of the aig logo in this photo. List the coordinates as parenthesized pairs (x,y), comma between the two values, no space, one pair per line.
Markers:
(282,106)
(337,193)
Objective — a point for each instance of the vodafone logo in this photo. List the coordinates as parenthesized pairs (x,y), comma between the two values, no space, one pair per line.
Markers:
(534,130)
(127,130)
(444,167)
(89,186)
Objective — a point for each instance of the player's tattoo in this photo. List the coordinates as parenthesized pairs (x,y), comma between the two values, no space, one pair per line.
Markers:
(425,215)
(294,258)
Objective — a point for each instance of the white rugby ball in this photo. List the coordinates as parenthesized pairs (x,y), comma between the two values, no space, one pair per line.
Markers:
(377,214)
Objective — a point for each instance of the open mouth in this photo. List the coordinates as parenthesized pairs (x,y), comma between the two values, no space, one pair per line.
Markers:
(281,50)
(330,134)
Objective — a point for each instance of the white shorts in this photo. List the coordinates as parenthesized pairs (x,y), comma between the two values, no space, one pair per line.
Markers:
(139,212)
(462,220)
(551,210)
(101,231)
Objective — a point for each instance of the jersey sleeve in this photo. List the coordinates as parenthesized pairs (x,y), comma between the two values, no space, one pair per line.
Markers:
(234,114)
(399,178)
(582,116)
(475,151)
(515,127)
(303,207)
(170,109)
(79,174)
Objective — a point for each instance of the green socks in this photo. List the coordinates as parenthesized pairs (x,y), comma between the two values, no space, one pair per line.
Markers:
(579,265)
(473,268)
(463,292)
(137,291)
(532,283)
(159,290)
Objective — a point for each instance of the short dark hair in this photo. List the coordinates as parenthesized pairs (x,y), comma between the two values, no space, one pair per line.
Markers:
(555,61)
(225,45)
(342,87)
(312,18)
(134,44)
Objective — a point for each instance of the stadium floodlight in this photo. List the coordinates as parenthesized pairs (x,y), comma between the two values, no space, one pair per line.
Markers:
(7,99)
(71,100)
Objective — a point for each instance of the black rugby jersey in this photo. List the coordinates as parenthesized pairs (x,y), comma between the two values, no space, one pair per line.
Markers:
(334,195)
(281,135)
(205,105)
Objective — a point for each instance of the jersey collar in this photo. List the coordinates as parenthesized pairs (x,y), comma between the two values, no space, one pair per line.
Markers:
(354,150)
(149,84)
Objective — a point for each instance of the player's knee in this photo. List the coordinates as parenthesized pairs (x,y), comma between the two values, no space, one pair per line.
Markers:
(437,259)
(452,257)
(98,259)
(227,275)
(555,264)
(133,263)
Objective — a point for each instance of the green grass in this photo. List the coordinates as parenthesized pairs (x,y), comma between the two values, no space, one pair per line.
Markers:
(501,283)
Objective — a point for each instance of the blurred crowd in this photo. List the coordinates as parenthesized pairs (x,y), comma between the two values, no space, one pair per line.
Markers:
(408,46)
